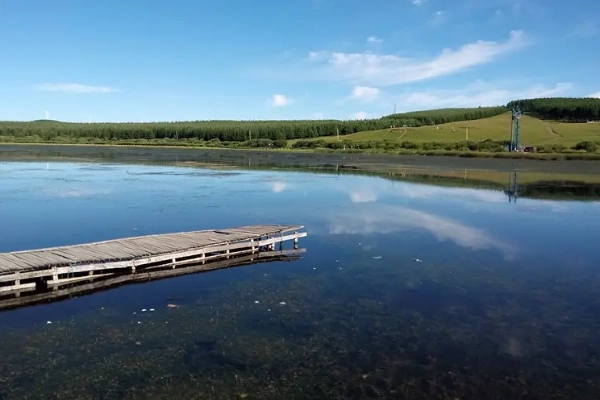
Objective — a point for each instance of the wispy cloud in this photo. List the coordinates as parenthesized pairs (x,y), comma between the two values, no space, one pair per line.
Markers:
(438,17)
(585,29)
(417,3)
(387,69)
(279,100)
(374,39)
(75,88)
(596,95)
(364,93)
(479,94)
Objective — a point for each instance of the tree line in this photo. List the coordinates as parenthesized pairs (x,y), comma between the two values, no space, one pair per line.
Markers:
(575,109)
(234,131)
(445,115)
(242,131)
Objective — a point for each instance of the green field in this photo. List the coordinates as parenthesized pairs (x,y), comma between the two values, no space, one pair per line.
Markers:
(533,132)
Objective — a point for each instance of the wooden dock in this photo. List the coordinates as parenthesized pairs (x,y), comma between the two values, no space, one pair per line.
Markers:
(58,266)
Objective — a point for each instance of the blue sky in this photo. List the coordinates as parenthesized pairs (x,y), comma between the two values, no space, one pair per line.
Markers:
(109,60)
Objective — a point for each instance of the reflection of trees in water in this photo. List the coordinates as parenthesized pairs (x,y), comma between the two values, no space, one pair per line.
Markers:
(551,189)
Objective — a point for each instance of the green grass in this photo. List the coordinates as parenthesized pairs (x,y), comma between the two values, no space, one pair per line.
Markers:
(533,132)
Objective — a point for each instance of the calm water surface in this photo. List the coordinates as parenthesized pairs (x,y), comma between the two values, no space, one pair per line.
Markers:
(406,291)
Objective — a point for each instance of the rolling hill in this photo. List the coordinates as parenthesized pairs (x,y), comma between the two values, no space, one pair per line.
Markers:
(534,131)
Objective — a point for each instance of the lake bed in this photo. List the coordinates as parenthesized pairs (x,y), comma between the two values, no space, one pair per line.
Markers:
(407,290)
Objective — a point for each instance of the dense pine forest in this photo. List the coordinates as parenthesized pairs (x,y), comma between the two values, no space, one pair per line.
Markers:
(561,108)
(566,109)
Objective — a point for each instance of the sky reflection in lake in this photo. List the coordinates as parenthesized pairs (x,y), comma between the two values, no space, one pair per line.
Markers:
(503,290)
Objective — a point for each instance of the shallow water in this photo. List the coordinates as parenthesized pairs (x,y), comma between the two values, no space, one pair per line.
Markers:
(406,290)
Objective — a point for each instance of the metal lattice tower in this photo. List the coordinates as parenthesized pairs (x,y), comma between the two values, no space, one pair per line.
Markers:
(515,129)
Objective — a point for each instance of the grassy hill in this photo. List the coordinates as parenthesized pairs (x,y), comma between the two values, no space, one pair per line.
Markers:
(534,131)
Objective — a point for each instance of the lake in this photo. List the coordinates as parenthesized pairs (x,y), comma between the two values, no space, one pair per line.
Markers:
(406,290)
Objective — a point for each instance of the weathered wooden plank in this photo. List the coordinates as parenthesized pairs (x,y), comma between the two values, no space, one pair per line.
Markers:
(30,259)
(155,243)
(20,264)
(79,252)
(12,288)
(5,265)
(139,248)
(115,251)
(66,255)
(129,250)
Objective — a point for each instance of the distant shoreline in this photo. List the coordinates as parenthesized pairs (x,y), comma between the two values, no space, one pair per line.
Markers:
(325,152)
(367,162)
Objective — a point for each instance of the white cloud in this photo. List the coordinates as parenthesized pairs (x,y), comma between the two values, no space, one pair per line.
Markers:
(388,69)
(360,115)
(374,39)
(279,100)
(364,93)
(476,95)
(417,3)
(74,88)
(596,95)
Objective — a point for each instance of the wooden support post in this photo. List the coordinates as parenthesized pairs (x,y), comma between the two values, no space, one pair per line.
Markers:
(54,279)
(295,241)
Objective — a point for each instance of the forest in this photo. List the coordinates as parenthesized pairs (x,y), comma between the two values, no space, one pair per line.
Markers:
(250,131)
(234,131)
(443,115)
(567,109)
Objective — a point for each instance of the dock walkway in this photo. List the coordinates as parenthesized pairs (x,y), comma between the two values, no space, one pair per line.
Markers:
(27,270)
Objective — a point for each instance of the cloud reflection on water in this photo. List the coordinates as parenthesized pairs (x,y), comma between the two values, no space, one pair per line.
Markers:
(279,186)
(473,199)
(75,193)
(383,218)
